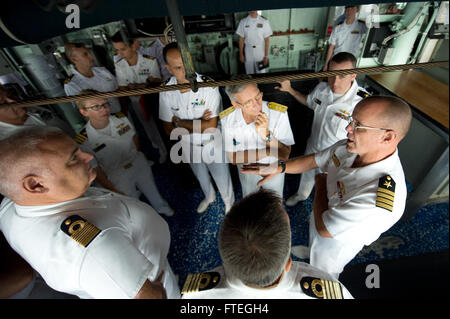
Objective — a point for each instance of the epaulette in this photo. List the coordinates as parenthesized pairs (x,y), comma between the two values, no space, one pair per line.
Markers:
(226,112)
(277,107)
(200,282)
(118,60)
(118,115)
(321,288)
(165,82)
(263,17)
(206,78)
(148,57)
(79,230)
(385,193)
(362,93)
(81,137)
(66,81)
(340,23)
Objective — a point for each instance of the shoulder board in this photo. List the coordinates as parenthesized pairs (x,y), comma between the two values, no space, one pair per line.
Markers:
(200,282)
(340,23)
(118,60)
(81,137)
(277,107)
(67,80)
(148,57)
(118,114)
(226,112)
(362,93)
(385,193)
(79,230)
(206,78)
(363,22)
(263,17)
(165,82)
(321,288)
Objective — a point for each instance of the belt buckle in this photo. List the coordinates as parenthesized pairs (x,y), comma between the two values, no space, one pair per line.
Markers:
(128,166)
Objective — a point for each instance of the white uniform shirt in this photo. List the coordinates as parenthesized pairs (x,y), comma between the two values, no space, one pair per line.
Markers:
(191,106)
(102,81)
(240,136)
(146,66)
(330,115)
(288,288)
(156,50)
(356,214)
(113,145)
(7,129)
(131,247)
(254,31)
(348,37)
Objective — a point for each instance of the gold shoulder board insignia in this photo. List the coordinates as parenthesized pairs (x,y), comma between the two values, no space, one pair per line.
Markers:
(321,288)
(385,193)
(226,112)
(277,107)
(200,282)
(79,230)
(119,114)
(148,57)
(362,93)
(336,160)
(165,82)
(207,79)
(81,137)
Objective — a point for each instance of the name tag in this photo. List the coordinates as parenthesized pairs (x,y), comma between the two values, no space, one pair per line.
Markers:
(259,25)
(317,101)
(355,32)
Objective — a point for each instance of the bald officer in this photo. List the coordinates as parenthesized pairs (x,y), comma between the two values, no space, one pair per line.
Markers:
(84,241)
(254,33)
(362,192)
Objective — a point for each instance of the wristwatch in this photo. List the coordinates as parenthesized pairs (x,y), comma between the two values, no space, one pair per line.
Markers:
(283,165)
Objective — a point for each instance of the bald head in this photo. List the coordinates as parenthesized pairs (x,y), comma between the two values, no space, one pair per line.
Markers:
(390,112)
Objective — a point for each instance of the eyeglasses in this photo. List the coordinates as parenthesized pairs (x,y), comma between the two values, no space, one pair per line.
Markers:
(98,107)
(249,103)
(355,126)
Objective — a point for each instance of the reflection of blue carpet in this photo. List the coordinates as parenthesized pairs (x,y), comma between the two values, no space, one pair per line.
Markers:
(194,236)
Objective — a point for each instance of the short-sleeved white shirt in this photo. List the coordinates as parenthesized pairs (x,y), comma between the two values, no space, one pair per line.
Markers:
(113,145)
(331,114)
(102,81)
(254,31)
(146,66)
(348,37)
(156,50)
(131,247)
(355,216)
(240,136)
(191,106)
(7,129)
(288,288)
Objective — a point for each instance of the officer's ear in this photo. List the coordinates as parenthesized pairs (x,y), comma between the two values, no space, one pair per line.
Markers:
(389,137)
(34,184)
(235,104)
(288,265)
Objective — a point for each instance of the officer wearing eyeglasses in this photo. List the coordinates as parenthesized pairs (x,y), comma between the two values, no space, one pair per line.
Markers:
(332,102)
(115,145)
(362,192)
(255,131)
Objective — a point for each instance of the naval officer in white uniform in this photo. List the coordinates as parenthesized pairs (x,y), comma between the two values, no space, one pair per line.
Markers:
(255,131)
(194,116)
(254,37)
(114,141)
(13,119)
(333,102)
(83,241)
(134,70)
(363,191)
(347,36)
(87,76)
(254,244)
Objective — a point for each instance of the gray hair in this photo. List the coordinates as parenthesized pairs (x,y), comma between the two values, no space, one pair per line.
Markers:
(19,154)
(233,89)
(255,239)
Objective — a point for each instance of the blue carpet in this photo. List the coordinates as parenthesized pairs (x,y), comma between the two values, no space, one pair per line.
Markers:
(194,236)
